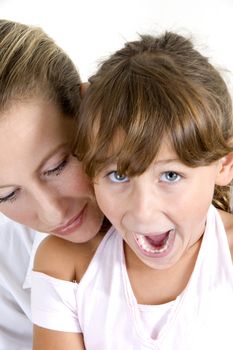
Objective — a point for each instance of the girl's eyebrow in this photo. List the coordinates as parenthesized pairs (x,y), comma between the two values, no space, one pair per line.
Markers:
(156,162)
(167,161)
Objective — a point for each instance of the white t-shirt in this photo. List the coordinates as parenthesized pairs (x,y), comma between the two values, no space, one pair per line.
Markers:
(17,249)
(104,308)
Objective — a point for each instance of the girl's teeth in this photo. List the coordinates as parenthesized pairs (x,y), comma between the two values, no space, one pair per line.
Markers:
(145,244)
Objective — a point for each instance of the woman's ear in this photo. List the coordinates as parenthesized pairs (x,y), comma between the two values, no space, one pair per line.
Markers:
(225,174)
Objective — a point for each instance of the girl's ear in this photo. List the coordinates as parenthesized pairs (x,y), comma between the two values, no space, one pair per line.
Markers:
(225,174)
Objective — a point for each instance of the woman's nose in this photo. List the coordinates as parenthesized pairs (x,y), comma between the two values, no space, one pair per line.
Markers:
(51,207)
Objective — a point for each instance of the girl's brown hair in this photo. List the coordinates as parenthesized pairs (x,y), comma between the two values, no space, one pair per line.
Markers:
(31,63)
(153,87)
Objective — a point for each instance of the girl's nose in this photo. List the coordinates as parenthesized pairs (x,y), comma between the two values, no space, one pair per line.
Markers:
(142,206)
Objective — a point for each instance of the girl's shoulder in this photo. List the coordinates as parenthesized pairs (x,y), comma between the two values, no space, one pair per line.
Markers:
(65,260)
(227,219)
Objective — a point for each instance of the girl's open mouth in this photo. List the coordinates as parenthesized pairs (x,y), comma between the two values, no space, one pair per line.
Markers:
(157,245)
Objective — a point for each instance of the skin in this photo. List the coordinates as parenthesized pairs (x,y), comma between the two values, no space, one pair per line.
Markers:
(167,197)
(66,261)
(42,185)
(146,204)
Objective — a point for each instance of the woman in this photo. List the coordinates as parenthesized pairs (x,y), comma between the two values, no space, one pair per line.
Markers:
(42,185)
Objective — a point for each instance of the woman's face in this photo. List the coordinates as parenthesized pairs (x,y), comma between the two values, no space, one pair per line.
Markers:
(42,185)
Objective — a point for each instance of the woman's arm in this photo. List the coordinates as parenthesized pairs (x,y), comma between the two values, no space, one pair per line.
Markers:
(46,339)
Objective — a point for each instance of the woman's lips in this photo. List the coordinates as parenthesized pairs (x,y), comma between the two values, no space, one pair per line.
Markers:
(72,225)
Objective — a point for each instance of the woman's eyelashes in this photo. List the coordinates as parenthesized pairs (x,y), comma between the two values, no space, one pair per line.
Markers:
(57,170)
(10,197)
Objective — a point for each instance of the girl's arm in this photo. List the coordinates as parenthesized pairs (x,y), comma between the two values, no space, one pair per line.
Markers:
(55,257)
(46,339)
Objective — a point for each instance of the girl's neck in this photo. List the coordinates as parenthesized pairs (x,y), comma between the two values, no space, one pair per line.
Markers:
(153,286)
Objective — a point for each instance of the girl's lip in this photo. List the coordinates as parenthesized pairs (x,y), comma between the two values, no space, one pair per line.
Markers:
(72,225)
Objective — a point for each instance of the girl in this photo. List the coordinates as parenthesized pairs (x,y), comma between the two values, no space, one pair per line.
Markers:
(156,138)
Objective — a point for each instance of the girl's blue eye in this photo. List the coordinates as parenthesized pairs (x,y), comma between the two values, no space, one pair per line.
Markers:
(170,176)
(58,169)
(114,176)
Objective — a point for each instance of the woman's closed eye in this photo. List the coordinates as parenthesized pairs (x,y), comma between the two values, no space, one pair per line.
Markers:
(10,197)
(57,170)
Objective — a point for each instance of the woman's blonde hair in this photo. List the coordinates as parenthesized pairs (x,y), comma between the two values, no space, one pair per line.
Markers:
(31,63)
(153,87)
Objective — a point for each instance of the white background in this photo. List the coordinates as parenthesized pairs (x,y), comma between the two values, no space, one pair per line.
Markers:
(91,29)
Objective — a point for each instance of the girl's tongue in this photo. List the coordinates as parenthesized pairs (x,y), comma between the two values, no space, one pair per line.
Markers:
(156,245)
(157,240)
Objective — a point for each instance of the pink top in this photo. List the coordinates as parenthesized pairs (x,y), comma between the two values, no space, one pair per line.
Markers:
(104,308)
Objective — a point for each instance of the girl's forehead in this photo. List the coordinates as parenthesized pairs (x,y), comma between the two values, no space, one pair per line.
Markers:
(165,151)
(166,147)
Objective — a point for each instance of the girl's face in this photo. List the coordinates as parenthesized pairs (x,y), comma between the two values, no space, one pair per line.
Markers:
(42,185)
(161,214)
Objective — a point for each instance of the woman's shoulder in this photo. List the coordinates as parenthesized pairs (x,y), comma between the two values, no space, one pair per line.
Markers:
(227,219)
(65,260)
